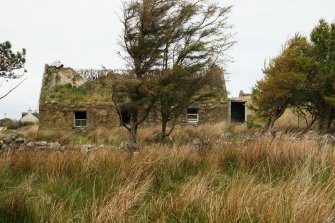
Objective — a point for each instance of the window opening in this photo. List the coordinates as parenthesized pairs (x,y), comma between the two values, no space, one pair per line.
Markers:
(192,115)
(80,118)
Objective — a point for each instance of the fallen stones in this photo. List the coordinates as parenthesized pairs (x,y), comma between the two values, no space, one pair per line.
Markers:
(198,143)
(30,145)
(20,140)
(55,146)
(125,145)
(86,148)
(7,140)
(325,139)
(21,143)
(226,135)
(309,136)
(41,143)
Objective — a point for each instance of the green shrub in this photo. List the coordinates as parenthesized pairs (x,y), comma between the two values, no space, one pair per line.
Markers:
(80,138)
(6,122)
(252,125)
(18,124)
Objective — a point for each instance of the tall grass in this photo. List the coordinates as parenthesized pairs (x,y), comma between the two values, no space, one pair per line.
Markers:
(264,180)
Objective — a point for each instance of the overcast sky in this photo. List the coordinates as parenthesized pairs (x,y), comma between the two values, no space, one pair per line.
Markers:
(84,34)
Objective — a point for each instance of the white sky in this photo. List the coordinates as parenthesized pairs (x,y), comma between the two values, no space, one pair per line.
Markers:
(84,34)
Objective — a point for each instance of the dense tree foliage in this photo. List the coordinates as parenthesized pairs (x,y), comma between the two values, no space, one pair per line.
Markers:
(322,84)
(180,89)
(133,98)
(302,77)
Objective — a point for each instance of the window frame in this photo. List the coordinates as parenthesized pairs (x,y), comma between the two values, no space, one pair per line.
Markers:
(192,120)
(83,122)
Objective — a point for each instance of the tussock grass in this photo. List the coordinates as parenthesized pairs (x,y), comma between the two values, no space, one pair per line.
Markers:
(291,122)
(112,136)
(263,180)
(63,137)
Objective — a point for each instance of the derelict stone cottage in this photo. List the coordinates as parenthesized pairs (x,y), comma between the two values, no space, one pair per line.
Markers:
(76,99)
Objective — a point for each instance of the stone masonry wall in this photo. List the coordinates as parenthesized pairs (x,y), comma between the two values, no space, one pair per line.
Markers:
(61,117)
(208,113)
(59,113)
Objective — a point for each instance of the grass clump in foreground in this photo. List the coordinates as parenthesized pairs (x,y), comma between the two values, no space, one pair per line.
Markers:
(264,180)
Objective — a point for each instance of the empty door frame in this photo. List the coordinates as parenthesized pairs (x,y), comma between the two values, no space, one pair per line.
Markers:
(234,104)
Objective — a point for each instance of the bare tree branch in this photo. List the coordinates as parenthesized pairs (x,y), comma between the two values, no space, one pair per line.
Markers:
(13,88)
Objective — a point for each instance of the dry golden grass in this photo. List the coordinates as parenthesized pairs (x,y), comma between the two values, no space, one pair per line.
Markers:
(262,180)
(112,136)
(290,121)
(54,136)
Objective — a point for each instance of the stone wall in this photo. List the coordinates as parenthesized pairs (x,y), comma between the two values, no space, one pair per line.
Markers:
(61,117)
(87,93)
(213,113)
(55,116)
(208,113)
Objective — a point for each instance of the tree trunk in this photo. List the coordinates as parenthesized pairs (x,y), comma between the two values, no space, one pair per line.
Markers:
(278,112)
(310,124)
(163,132)
(132,139)
(329,122)
(270,123)
(132,135)
(321,124)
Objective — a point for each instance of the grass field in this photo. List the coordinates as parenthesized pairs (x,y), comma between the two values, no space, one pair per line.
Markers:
(262,180)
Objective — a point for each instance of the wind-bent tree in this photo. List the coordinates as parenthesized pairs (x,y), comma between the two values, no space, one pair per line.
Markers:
(284,84)
(322,82)
(301,77)
(179,89)
(133,99)
(143,33)
(141,42)
(10,62)
(196,39)
(180,40)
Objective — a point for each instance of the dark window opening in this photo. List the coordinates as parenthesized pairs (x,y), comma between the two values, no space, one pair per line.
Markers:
(238,111)
(192,115)
(125,117)
(80,118)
